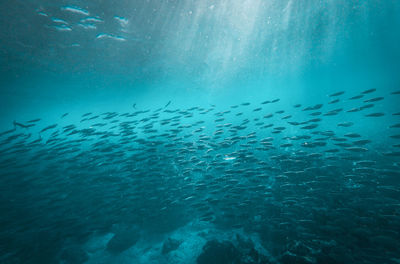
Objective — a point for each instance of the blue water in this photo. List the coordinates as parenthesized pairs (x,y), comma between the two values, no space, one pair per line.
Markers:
(199,131)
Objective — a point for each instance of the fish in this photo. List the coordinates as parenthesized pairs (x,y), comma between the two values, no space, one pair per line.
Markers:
(34,120)
(86,26)
(375,115)
(356,97)
(366,106)
(376,99)
(334,101)
(353,110)
(392,154)
(333,112)
(169,102)
(369,91)
(7,132)
(336,94)
(22,125)
(62,28)
(312,126)
(366,162)
(362,142)
(122,20)
(48,127)
(75,10)
(345,124)
(314,120)
(110,36)
(64,115)
(356,149)
(352,135)
(228,168)
(59,21)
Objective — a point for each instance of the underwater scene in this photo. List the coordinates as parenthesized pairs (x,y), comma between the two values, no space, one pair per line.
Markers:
(200,131)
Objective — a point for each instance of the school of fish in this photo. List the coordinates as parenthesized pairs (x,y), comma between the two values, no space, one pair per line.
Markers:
(312,195)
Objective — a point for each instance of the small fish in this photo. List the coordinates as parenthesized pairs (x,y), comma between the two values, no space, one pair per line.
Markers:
(134,105)
(314,120)
(366,162)
(369,91)
(366,106)
(267,126)
(297,105)
(336,94)
(334,101)
(7,132)
(376,99)
(356,149)
(332,150)
(395,126)
(48,127)
(315,107)
(64,115)
(312,126)
(76,10)
(22,125)
(392,154)
(353,110)
(333,112)
(375,115)
(356,97)
(352,135)
(396,92)
(362,142)
(34,120)
(345,124)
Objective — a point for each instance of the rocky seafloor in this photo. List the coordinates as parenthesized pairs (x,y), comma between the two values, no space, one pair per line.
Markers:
(196,242)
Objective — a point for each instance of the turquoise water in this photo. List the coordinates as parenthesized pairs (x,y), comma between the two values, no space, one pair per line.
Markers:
(200,131)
